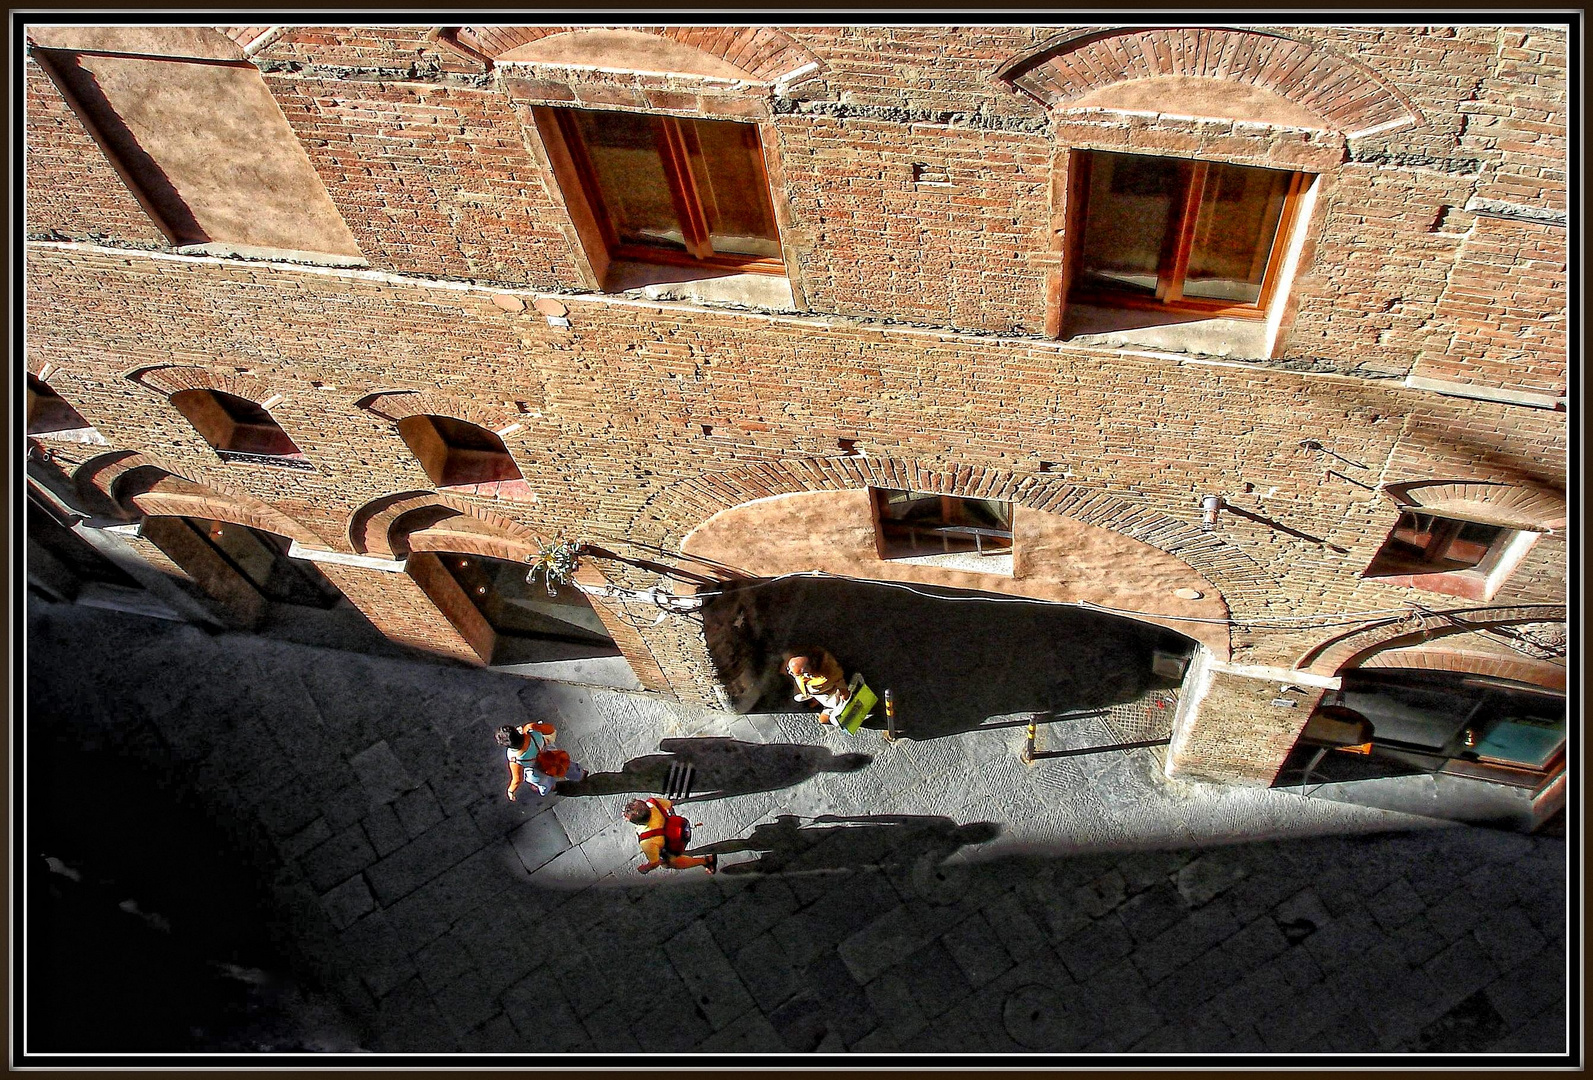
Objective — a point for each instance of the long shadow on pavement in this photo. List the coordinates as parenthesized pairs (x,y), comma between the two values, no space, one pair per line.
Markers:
(873,840)
(722,767)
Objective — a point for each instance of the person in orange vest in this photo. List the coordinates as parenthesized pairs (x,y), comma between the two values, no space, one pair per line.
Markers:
(533,759)
(819,677)
(663,836)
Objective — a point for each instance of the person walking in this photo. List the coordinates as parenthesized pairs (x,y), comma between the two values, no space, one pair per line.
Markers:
(534,760)
(663,836)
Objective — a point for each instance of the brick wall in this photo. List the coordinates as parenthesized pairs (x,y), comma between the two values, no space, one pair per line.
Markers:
(1501,321)
(436,178)
(1238,736)
(1432,250)
(397,607)
(431,179)
(72,189)
(620,399)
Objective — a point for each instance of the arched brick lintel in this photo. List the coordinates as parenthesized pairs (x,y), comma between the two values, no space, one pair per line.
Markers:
(396,405)
(678,509)
(441,538)
(764,53)
(1504,504)
(1353,649)
(1344,92)
(136,483)
(172,380)
(1521,670)
(377,528)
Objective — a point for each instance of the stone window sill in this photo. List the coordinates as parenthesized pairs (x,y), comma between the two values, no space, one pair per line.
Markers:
(650,281)
(1165,331)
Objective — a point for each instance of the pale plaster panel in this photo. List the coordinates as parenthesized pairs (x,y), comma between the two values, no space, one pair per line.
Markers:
(214,137)
(1217,99)
(1056,558)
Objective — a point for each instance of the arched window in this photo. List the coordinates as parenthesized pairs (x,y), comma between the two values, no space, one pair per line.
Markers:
(237,428)
(457,453)
(48,412)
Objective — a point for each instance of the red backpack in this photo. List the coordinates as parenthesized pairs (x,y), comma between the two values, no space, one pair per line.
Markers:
(554,763)
(676,831)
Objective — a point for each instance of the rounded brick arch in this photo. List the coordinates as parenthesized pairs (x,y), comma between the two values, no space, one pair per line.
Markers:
(1519,669)
(135,483)
(396,405)
(173,380)
(675,511)
(764,53)
(42,369)
(379,528)
(1353,649)
(1495,503)
(1345,93)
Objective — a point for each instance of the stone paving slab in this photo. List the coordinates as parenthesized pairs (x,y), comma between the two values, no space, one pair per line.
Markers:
(942,898)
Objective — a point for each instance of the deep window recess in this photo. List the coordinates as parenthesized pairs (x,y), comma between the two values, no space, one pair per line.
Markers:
(1425,544)
(916,523)
(48,412)
(456,452)
(674,190)
(262,559)
(234,426)
(1449,555)
(1173,233)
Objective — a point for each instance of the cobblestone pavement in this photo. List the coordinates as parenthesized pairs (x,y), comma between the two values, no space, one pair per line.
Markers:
(934,896)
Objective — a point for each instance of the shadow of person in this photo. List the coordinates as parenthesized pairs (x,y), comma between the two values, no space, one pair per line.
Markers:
(834,842)
(721,767)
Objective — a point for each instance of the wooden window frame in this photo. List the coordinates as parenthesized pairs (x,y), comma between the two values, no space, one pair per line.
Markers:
(677,143)
(1177,245)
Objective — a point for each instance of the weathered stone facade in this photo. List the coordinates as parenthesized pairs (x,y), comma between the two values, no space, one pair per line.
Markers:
(920,180)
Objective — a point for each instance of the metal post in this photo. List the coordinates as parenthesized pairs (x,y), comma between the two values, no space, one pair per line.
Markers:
(890,716)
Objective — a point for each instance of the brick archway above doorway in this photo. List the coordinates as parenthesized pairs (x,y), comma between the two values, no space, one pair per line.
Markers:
(1290,80)
(680,508)
(398,524)
(1080,546)
(1358,647)
(138,484)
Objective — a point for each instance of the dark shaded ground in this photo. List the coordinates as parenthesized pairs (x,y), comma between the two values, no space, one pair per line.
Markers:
(953,660)
(337,825)
(155,918)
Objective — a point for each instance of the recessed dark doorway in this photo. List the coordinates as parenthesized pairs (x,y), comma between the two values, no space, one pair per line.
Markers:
(954,658)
